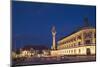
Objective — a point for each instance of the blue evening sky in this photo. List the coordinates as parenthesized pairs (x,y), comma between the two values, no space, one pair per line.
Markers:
(32,21)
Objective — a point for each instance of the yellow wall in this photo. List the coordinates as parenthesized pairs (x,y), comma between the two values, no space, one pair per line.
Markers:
(74,51)
(62,44)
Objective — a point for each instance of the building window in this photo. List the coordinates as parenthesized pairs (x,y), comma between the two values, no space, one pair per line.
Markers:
(74,45)
(79,43)
(79,37)
(88,51)
(71,51)
(79,50)
(88,42)
(88,35)
(74,51)
(67,51)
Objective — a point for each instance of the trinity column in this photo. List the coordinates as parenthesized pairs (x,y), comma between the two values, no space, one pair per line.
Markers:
(53,38)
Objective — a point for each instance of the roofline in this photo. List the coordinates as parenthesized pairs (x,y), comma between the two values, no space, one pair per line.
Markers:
(76,32)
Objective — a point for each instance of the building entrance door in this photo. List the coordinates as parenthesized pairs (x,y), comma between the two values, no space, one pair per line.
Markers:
(88,51)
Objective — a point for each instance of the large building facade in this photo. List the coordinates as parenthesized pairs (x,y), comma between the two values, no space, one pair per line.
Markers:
(81,42)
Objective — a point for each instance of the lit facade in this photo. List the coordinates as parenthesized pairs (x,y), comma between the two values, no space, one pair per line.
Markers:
(82,42)
(14,55)
(31,53)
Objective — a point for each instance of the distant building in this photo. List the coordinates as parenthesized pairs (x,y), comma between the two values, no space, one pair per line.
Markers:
(80,42)
(34,51)
(14,55)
